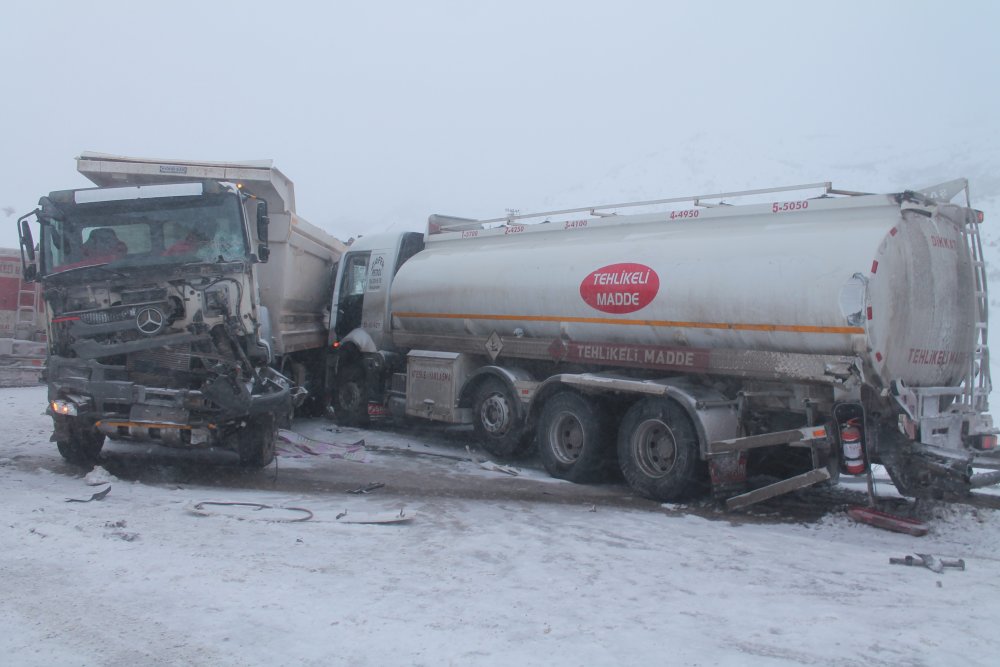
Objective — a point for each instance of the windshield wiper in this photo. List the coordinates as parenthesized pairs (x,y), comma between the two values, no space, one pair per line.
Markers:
(76,269)
(219,259)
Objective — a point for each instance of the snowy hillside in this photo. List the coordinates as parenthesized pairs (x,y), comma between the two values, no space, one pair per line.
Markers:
(723,162)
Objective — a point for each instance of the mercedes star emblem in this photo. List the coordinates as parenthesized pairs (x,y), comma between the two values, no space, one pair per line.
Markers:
(150,321)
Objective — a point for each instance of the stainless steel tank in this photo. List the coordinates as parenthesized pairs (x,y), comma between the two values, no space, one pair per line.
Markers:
(859,275)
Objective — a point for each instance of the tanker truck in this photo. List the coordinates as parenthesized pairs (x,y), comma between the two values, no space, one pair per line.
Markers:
(184,305)
(810,333)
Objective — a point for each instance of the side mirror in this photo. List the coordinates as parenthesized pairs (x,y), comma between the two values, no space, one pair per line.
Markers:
(262,221)
(28,267)
(263,252)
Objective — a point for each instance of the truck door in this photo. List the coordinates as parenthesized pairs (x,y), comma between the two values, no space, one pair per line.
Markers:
(351,295)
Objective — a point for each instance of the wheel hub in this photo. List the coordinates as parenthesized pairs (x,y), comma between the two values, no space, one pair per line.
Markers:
(654,447)
(566,436)
(495,415)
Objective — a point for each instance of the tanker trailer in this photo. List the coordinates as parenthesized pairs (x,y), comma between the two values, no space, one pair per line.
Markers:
(811,335)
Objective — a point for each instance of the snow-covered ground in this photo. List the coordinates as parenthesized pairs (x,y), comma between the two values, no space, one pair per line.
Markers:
(491,569)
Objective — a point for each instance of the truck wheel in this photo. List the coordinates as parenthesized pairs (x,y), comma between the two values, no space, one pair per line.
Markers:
(83,446)
(315,405)
(573,438)
(256,441)
(350,396)
(658,450)
(498,419)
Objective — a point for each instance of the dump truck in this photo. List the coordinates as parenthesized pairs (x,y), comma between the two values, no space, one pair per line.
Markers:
(185,304)
(803,333)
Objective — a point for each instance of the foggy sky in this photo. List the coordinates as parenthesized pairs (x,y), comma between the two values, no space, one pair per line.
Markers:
(385,112)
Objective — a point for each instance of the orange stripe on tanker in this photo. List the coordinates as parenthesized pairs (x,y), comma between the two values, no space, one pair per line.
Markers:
(792,328)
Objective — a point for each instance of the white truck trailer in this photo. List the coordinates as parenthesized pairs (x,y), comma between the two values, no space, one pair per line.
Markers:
(688,345)
(185,304)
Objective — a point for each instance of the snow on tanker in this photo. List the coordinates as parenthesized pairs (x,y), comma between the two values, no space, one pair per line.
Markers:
(811,335)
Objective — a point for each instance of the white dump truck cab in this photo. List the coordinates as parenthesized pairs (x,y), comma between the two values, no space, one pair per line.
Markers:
(168,313)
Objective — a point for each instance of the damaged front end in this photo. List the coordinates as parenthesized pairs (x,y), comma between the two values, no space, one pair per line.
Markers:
(942,447)
(146,370)
(155,336)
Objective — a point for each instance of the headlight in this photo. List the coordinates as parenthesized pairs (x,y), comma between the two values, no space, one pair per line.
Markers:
(63,408)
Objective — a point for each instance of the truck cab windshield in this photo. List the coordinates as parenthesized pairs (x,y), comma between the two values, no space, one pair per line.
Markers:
(143,232)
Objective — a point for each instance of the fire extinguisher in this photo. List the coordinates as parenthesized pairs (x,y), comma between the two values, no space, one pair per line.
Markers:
(852,448)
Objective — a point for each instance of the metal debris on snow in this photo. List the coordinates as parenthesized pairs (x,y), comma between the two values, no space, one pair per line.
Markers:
(932,563)
(97,496)
(368,488)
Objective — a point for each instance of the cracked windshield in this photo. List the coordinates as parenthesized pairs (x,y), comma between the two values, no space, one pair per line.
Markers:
(144,232)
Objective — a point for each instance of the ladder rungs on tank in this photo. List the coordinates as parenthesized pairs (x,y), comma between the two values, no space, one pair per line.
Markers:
(977,382)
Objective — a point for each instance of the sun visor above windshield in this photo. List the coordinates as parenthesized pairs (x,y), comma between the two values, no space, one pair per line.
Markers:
(90,196)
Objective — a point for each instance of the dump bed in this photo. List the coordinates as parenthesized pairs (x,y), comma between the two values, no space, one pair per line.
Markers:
(294,284)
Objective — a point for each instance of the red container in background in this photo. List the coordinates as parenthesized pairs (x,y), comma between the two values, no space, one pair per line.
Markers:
(22,312)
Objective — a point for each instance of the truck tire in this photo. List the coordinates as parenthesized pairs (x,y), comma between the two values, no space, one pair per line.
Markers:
(256,441)
(350,396)
(83,447)
(315,405)
(658,450)
(498,419)
(573,439)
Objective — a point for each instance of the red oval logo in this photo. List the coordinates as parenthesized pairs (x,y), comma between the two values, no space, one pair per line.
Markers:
(620,288)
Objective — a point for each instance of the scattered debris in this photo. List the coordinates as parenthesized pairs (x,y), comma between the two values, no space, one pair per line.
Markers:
(932,563)
(374,517)
(886,521)
(99,476)
(496,467)
(486,464)
(368,488)
(300,444)
(123,535)
(199,509)
(97,496)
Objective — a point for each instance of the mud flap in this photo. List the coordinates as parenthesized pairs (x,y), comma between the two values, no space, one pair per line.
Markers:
(728,473)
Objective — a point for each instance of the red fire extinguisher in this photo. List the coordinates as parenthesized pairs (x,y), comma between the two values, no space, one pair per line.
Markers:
(852,449)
